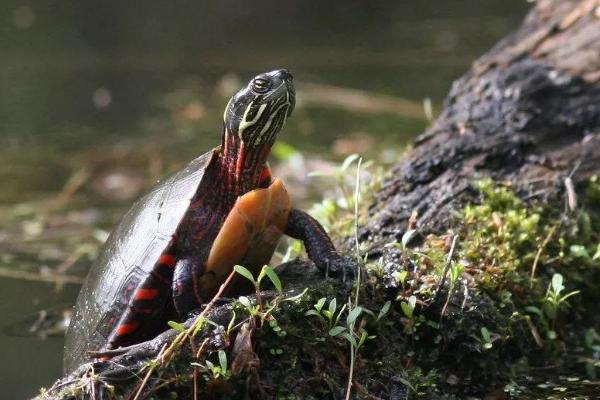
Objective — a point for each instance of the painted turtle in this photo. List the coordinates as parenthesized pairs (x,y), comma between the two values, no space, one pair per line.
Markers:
(177,244)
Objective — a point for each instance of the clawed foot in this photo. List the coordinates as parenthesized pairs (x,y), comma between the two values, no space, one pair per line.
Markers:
(341,266)
(106,354)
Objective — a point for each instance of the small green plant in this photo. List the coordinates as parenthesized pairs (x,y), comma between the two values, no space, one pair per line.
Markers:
(356,335)
(417,381)
(581,252)
(408,307)
(552,304)
(456,270)
(213,371)
(258,310)
(555,300)
(254,310)
(330,314)
(266,271)
(339,213)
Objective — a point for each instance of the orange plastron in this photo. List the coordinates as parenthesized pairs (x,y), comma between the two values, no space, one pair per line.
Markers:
(249,234)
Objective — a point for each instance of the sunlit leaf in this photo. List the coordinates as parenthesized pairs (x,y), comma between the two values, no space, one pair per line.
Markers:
(406,309)
(245,302)
(273,277)
(348,161)
(363,336)
(412,302)
(408,236)
(231,322)
(485,334)
(557,283)
(332,306)
(320,304)
(244,272)
(579,251)
(336,330)
(384,310)
(296,297)
(353,314)
(223,360)
(596,255)
(176,325)
(350,338)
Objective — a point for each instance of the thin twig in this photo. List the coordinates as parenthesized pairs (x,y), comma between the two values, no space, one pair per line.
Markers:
(446,267)
(539,251)
(195,379)
(75,182)
(190,331)
(166,353)
(359,100)
(356,242)
(93,386)
(147,376)
(201,348)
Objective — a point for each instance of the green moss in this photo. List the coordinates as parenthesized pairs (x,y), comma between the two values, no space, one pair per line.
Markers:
(523,280)
(502,234)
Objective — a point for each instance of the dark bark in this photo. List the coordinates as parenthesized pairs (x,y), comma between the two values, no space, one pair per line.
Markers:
(526,112)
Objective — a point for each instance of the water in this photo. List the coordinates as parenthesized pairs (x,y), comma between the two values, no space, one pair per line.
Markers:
(115,91)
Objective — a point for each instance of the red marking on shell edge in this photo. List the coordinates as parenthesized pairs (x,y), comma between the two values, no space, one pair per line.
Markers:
(146,294)
(126,329)
(167,259)
(145,311)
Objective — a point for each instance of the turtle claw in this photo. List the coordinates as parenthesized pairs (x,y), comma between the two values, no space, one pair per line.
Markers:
(343,267)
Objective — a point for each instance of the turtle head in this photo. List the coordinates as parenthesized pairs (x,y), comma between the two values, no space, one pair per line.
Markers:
(257,113)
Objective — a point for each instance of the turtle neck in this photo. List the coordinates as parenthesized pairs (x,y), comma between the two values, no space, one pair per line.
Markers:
(239,166)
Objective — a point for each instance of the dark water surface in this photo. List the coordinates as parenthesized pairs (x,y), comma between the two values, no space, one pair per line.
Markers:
(108,89)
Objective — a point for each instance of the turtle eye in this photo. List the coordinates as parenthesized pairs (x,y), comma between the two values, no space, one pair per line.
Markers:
(260,85)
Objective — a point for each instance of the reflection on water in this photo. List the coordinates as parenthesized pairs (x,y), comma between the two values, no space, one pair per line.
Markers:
(103,97)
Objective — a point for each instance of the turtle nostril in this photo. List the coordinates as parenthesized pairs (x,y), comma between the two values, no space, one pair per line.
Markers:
(285,74)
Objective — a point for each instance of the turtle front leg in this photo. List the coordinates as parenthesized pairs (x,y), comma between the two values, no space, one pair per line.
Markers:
(318,245)
(186,296)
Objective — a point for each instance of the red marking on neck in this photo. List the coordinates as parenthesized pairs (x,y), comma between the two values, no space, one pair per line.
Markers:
(265,177)
(239,166)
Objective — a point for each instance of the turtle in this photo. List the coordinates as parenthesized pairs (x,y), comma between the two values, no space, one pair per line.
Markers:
(178,243)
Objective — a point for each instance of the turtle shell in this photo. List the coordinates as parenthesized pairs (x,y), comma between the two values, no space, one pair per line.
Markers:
(128,256)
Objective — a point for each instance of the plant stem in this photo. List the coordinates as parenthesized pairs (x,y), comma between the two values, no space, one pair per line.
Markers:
(351,375)
(357,244)
(359,272)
